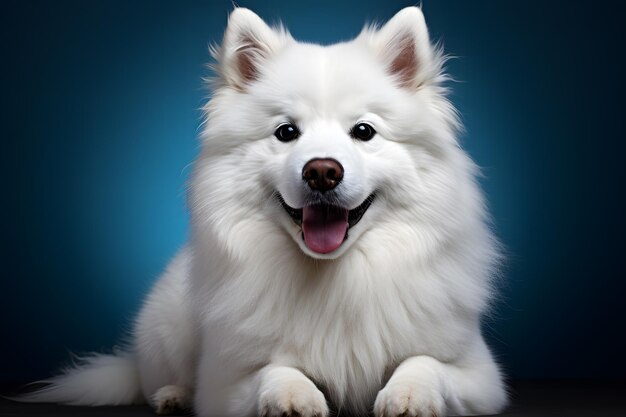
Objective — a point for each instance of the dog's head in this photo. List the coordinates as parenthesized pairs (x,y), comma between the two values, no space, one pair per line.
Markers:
(353,142)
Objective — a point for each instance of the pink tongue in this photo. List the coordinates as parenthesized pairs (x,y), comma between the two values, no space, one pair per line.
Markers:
(324,227)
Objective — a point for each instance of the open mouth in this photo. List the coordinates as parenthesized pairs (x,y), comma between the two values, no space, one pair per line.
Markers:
(325,226)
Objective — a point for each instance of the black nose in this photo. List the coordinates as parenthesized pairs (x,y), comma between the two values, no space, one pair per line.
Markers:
(322,174)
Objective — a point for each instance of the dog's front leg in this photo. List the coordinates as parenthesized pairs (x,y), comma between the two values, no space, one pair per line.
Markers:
(425,387)
(415,389)
(285,391)
(272,391)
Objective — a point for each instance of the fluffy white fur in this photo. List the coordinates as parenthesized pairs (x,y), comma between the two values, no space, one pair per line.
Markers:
(247,319)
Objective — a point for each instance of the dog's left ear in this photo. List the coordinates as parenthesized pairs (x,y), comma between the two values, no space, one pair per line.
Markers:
(248,42)
(404,47)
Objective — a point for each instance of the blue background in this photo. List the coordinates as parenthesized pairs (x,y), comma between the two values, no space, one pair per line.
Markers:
(100,117)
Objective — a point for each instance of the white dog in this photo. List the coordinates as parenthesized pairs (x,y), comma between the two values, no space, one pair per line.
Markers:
(340,254)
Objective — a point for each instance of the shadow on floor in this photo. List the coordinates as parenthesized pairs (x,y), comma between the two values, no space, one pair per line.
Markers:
(553,398)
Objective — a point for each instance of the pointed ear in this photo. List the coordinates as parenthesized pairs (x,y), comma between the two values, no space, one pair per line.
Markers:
(404,47)
(248,42)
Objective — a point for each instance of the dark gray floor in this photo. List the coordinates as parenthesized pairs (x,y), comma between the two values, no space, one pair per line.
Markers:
(568,398)
(529,398)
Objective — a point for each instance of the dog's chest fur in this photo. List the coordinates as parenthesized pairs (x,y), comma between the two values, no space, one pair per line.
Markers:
(345,325)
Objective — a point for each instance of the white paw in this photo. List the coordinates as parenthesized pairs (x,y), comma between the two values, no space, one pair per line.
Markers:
(409,398)
(298,398)
(170,398)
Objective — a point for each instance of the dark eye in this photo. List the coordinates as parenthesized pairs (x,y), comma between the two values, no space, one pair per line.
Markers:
(287,132)
(362,131)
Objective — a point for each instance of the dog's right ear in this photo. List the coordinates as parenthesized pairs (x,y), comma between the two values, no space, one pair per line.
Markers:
(248,41)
